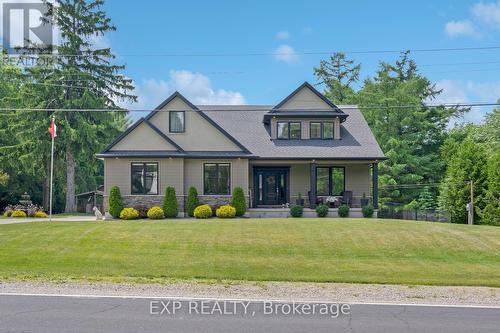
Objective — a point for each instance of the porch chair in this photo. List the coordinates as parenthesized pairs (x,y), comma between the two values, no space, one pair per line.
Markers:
(346,198)
(318,200)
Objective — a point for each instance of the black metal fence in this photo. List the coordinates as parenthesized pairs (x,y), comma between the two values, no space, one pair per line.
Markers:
(417,215)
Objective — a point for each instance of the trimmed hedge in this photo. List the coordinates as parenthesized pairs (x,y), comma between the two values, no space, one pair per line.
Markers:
(322,210)
(192,201)
(344,211)
(368,211)
(18,213)
(238,201)
(41,214)
(170,205)
(115,202)
(155,213)
(203,212)
(296,210)
(129,214)
(226,211)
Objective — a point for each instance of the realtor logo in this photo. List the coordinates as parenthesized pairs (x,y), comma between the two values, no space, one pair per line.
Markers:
(22,28)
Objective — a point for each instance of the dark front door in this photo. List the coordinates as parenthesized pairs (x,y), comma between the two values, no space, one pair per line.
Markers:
(271,186)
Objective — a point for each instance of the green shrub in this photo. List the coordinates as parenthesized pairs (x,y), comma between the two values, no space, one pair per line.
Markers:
(203,212)
(226,211)
(129,214)
(192,201)
(344,211)
(170,205)
(115,202)
(322,210)
(296,210)
(238,201)
(367,211)
(155,213)
(41,214)
(18,213)
(8,213)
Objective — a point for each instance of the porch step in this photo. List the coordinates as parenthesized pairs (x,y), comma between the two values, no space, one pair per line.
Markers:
(308,212)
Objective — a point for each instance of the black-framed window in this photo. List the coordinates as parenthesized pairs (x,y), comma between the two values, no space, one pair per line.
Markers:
(289,130)
(176,121)
(330,180)
(144,178)
(216,178)
(327,130)
(315,129)
(321,130)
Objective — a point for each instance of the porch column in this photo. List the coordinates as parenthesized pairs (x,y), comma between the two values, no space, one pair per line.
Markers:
(312,187)
(375,184)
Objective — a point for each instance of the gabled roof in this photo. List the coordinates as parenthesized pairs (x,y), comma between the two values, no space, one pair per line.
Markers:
(131,128)
(201,113)
(314,90)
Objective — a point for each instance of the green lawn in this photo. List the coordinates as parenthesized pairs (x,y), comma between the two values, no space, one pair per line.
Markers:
(321,250)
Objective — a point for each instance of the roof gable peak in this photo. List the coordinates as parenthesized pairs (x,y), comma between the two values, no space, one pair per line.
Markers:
(306,85)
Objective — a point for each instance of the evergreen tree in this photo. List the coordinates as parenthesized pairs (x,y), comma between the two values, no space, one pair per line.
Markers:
(409,133)
(88,79)
(170,204)
(338,74)
(467,163)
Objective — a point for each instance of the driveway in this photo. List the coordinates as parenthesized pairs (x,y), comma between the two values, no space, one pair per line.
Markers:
(72,218)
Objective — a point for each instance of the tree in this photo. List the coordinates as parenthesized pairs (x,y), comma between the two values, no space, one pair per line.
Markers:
(88,78)
(338,74)
(115,202)
(467,163)
(192,201)
(238,201)
(409,132)
(490,214)
(170,205)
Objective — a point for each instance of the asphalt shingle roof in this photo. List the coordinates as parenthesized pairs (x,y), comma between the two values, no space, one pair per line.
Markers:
(245,124)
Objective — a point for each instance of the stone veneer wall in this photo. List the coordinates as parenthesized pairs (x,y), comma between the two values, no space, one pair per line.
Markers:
(157,200)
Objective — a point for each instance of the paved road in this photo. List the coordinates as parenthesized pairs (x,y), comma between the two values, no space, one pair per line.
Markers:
(25,313)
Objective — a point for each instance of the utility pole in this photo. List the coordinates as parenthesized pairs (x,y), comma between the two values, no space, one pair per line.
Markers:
(471,207)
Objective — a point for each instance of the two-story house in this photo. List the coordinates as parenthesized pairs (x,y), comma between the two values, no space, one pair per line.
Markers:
(303,145)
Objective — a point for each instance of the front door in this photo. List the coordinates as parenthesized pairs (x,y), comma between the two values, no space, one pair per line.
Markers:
(271,186)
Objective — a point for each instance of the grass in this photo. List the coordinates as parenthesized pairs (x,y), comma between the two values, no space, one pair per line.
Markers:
(318,250)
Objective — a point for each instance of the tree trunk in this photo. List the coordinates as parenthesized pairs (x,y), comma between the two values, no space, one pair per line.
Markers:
(46,188)
(70,182)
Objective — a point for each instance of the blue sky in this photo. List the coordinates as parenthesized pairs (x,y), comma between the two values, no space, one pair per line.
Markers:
(240,27)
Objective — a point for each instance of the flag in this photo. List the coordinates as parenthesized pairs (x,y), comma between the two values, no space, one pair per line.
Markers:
(53,128)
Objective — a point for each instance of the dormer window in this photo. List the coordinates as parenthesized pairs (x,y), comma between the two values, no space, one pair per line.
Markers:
(176,122)
(321,130)
(289,130)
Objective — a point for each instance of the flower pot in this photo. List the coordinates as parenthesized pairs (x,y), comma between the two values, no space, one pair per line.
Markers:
(364,202)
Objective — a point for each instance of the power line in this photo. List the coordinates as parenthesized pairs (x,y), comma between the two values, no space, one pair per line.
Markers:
(240,109)
(250,54)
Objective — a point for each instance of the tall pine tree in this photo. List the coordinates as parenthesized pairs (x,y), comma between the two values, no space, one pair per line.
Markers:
(88,79)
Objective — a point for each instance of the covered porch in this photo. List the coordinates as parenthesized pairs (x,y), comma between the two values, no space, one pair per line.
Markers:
(275,184)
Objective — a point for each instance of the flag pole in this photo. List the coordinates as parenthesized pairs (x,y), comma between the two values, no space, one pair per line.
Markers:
(51,172)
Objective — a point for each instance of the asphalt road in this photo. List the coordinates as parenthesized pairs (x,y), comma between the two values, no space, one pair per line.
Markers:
(29,313)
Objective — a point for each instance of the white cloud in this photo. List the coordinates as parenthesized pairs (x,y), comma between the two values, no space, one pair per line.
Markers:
(196,87)
(484,15)
(456,91)
(457,28)
(282,35)
(286,54)
(487,13)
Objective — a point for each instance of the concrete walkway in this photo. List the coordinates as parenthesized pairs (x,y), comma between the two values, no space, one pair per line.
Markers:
(72,218)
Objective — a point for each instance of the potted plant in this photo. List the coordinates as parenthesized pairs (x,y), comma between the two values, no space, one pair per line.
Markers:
(364,200)
(300,200)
